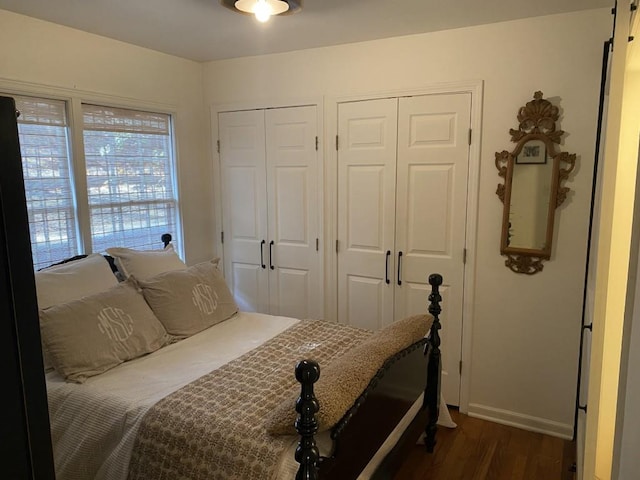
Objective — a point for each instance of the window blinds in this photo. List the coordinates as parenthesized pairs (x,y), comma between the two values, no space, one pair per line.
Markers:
(43,133)
(130,179)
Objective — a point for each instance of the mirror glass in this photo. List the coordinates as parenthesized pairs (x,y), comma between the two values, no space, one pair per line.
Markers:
(532,176)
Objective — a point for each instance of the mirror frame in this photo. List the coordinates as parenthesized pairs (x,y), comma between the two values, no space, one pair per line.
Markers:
(537,121)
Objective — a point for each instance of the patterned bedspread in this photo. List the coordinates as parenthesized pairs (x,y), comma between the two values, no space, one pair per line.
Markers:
(214,428)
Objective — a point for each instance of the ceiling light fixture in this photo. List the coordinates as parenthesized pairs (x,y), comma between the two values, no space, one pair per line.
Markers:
(264,9)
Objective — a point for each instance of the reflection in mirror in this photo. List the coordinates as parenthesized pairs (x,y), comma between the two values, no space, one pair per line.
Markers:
(530,197)
(533,174)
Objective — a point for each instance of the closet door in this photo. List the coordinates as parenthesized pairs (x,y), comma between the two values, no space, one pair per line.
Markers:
(366,211)
(292,186)
(431,198)
(244,209)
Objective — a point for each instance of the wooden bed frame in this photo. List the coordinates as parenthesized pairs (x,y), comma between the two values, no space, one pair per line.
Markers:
(361,432)
(362,417)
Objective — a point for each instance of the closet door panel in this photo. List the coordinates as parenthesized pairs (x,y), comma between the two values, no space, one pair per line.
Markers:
(294,293)
(366,211)
(244,206)
(433,164)
(292,172)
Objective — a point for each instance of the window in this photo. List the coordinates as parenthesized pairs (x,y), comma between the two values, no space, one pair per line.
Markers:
(128,156)
(128,160)
(43,129)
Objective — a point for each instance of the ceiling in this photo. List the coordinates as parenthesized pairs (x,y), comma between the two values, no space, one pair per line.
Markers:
(204,30)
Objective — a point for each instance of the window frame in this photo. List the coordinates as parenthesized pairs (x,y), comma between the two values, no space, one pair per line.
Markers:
(73,101)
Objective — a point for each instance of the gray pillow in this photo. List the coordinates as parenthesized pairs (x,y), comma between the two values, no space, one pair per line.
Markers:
(88,336)
(188,301)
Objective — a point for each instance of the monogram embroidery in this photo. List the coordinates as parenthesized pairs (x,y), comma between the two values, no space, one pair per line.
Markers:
(204,298)
(115,323)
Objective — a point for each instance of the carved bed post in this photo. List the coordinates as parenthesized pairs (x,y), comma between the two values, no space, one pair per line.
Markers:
(307,454)
(432,392)
(166,238)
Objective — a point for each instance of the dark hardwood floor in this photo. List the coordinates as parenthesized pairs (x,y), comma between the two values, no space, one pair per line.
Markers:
(481,450)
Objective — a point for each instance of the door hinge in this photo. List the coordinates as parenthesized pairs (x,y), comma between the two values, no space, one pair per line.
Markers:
(337,246)
(460,367)
(218,142)
(470,136)
(317,244)
(222,237)
(464,256)
(336,142)
(316,143)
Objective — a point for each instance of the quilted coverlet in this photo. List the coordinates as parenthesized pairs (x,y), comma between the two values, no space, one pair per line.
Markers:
(214,427)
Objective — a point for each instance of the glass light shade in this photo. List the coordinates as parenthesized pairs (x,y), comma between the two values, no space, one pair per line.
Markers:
(262,9)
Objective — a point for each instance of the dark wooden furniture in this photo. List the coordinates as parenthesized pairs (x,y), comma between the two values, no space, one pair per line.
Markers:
(26,444)
(361,431)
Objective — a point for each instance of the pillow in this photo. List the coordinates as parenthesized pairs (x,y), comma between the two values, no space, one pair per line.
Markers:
(70,281)
(144,264)
(89,336)
(345,378)
(73,280)
(188,301)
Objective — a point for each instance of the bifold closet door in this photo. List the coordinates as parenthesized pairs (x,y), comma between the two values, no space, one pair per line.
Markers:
(366,211)
(244,207)
(292,189)
(431,205)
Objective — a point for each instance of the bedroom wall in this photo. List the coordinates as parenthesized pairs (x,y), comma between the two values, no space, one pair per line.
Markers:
(525,329)
(45,57)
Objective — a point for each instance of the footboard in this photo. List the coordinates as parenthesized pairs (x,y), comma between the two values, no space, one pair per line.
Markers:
(362,431)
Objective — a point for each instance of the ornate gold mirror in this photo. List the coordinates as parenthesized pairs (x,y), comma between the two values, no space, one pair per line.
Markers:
(533,174)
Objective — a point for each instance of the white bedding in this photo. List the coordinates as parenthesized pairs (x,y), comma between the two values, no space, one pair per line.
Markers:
(94,425)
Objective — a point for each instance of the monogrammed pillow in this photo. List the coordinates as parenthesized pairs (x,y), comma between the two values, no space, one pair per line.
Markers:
(71,281)
(188,301)
(90,335)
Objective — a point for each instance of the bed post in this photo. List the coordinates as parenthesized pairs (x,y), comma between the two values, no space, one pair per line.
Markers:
(307,454)
(432,391)
(166,239)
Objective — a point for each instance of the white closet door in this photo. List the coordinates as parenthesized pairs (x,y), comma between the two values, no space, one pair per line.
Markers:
(366,211)
(433,165)
(292,180)
(244,209)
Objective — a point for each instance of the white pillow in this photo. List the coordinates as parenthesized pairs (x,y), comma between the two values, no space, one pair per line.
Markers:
(143,264)
(73,280)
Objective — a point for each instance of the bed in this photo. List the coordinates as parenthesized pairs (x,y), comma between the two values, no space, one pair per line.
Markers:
(231,399)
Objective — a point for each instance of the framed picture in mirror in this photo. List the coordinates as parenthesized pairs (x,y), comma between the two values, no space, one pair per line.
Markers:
(534,152)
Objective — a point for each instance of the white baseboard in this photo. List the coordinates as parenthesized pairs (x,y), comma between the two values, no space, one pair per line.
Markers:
(526,422)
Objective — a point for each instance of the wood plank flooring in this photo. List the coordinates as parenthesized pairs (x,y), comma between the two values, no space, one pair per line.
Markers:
(481,450)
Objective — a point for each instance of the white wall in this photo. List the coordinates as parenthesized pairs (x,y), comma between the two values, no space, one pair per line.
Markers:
(45,57)
(525,330)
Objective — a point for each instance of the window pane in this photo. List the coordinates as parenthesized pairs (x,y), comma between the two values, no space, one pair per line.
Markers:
(42,128)
(129,166)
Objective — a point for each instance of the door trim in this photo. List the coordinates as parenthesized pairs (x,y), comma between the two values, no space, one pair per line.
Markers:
(216,172)
(475,88)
